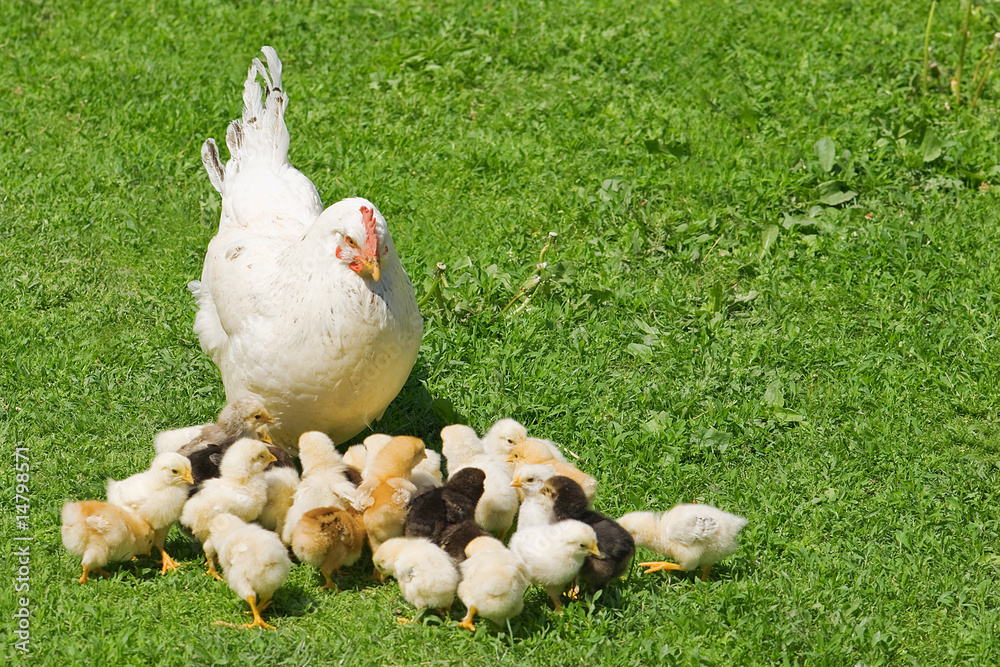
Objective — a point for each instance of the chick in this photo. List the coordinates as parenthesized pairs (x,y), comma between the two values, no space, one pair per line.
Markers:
(426,474)
(324,481)
(498,505)
(427,577)
(328,538)
(433,511)
(502,436)
(254,561)
(492,584)
(100,533)
(536,509)
(282,480)
(553,554)
(533,450)
(396,458)
(205,461)
(694,535)
(157,496)
(614,542)
(385,491)
(245,418)
(241,489)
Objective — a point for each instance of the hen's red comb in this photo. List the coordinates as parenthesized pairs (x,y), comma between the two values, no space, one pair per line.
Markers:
(371,235)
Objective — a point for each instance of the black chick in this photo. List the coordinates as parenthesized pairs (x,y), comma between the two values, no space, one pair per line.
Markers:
(433,511)
(455,538)
(615,543)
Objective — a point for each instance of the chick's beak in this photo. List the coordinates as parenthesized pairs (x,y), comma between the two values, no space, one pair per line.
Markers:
(271,458)
(186,477)
(517,483)
(595,552)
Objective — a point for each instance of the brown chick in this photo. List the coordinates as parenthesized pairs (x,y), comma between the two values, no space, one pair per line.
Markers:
(533,451)
(329,538)
(100,533)
(245,418)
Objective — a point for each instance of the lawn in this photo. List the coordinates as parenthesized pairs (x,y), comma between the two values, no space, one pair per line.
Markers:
(773,289)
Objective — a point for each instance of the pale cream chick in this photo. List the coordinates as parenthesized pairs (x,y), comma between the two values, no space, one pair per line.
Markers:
(323,483)
(328,538)
(534,450)
(502,436)
(157,496)
(694,535)
(553,554)
(536,509)
(497,506)
(101,533)
(254,563)
(427,577)
(493,582)
(240,489)
(282,482)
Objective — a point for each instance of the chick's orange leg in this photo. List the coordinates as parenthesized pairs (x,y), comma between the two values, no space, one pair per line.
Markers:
(83,579)
(330,584)
(211,568)
(705,571)
(168,562)
(258,622)
(468,621)
(660,565)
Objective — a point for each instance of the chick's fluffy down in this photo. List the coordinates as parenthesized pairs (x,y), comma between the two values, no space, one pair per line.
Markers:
(427,578)
(493,580)
(101,533)
(253,559)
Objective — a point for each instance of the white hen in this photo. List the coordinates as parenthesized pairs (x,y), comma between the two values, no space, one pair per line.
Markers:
(309,310)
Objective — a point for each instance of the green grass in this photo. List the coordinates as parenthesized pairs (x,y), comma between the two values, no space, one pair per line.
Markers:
(773,290)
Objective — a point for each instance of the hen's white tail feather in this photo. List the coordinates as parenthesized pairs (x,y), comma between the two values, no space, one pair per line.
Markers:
(261,136)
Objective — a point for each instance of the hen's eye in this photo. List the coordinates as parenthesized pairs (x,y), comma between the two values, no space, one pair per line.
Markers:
(351,242)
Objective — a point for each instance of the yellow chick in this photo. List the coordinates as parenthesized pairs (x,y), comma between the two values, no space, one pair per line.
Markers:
(497,506)
(426,475)
(492,584)
(427,577)
(245,418)
(157,496)
(324,482)
(385,490)
(241,489)
(536,509)
(694,535)
(535,450)
(553,554)
(100,533)
(328,538)
(254,561)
